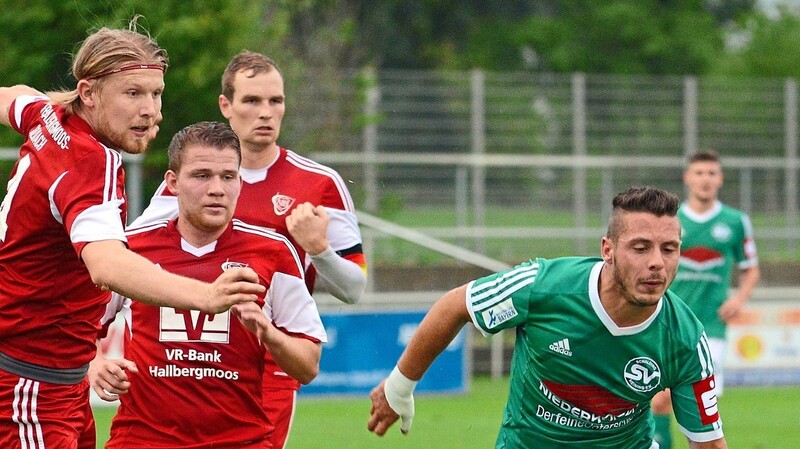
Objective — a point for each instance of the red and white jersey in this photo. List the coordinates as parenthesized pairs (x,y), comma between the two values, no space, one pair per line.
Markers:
(200,375)
(66,189)
(268,196)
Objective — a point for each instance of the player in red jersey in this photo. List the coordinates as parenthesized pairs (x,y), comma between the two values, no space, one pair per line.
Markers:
(195,379)
(62,244)
(297,197)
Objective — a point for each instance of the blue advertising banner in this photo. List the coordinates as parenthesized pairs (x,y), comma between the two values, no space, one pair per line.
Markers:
(363,348)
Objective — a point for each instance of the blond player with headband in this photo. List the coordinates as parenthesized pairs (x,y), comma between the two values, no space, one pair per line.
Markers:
(62,241)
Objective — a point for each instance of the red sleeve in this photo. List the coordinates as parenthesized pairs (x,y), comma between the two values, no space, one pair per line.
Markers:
(90,199)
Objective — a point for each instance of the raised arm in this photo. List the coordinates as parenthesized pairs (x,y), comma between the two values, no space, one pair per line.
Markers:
(114,267)
(343,279)
(393,397)
(7,96)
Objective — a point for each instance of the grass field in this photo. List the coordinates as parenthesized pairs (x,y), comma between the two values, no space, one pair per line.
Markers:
(754,418)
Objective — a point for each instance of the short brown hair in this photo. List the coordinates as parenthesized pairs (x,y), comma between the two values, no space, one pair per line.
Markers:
(105,51)
(213,134)
(641,199)
(703,156)
(246,60)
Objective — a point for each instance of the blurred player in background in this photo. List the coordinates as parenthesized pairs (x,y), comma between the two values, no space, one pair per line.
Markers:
(193,380)
(716,239)
(596,339)
(62,242)
(295,196)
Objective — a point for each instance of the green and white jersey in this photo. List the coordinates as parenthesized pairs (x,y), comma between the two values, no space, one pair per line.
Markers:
(578,379)
(713,244)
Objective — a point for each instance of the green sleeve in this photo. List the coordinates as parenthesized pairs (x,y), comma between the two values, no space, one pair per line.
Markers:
(502,300)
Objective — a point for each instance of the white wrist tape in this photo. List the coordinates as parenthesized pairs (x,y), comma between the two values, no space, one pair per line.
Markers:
(399,391)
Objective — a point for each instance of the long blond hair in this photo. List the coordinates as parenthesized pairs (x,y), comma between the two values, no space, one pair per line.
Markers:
(106,51)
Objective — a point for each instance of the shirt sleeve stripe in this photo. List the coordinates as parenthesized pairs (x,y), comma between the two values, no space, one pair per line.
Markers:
(484,295)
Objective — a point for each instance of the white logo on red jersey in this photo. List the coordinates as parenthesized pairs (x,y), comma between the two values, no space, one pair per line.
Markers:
(227,265)
(193,325)
(281,203)
(705,393)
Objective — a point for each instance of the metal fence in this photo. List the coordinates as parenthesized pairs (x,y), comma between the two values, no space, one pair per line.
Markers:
(548,149)
(515,165)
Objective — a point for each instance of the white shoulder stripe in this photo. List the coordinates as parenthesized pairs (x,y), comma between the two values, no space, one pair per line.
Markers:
(505,291)
(524,275)
(704,355)
(20,103)
(113,166)
(315,167)
(148,227)
(270,234)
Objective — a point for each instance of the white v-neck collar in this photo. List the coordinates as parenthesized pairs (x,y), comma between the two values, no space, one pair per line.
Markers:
(254,175)
(704,216)
(600,311)
(198,252)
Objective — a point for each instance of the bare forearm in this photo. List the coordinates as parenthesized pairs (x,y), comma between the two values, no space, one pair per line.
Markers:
(716,444)
(114,267)
(437,330)
(748,280)
(298,357)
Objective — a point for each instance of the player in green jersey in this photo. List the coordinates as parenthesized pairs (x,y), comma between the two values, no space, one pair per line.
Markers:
(716,240)
(597,338)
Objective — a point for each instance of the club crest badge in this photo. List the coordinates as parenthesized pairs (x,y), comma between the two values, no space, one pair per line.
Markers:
(281,203)
(228,264)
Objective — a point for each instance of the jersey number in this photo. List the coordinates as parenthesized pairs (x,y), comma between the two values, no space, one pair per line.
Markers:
(13,183)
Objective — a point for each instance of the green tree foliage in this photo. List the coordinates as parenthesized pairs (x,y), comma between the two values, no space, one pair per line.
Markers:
(615,36)
(764,45)
(610,36)
(39,37)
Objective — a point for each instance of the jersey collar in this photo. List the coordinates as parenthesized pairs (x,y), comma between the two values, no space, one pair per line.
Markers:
(594,297)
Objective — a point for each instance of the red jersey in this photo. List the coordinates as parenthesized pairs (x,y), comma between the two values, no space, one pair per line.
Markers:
(66,189)
(200,375)
(268,196)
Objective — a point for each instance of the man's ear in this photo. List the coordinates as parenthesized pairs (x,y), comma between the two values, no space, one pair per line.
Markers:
(86,92)
(607,249)
(171,178)
(225,106)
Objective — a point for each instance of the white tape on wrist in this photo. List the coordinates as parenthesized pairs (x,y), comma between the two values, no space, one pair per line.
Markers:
(399,391)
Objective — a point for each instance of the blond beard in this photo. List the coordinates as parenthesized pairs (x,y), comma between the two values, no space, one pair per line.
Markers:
(118,141)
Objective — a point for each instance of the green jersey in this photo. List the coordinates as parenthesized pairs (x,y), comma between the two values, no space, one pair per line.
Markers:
(713,244)
(578,379)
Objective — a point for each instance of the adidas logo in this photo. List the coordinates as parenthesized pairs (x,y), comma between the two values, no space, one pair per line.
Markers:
(562,347)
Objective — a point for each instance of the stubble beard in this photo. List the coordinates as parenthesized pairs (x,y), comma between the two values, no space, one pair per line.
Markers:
(119,141)
(631,296)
